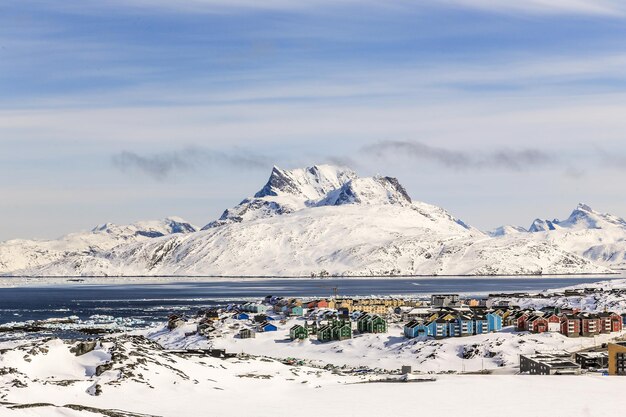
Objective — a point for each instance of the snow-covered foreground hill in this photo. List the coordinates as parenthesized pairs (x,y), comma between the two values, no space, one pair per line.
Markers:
(132,376)
(128,376)
(320,221)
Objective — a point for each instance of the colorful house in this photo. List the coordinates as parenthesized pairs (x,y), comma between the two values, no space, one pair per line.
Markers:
(325,333)
(298,332)
(520,323)
(610,322)
(267,327)
(537,324)
(438,328)
(415,328)
(480,325)
(494,322)
(377,324)
(296,311)
(466,325)
(570,325)
(341,330)
(361,322)
(589,324)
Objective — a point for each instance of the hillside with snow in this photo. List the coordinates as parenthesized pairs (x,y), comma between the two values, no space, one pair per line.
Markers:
(131,376)
(596,236)
(318,221)
(24,255)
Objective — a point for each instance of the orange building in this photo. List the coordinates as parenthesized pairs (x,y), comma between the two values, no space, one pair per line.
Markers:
(617,358)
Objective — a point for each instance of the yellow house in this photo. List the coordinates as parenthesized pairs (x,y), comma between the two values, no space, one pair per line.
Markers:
(617,358)
(432,317)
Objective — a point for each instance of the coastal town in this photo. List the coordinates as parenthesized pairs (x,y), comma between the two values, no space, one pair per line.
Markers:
(592,337)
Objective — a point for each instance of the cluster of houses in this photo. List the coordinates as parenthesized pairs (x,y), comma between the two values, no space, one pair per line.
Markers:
(446,315)
(570,322)
(452,322)
(339,328)
(335,318)
(364,305)
(463,320)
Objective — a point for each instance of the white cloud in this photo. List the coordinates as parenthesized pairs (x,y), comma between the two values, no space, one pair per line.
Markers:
(588,7)
(593,7)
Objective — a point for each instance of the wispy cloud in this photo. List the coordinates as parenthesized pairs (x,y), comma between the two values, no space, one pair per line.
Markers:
(161,165)
(509,159)
(588,7)
(614,160)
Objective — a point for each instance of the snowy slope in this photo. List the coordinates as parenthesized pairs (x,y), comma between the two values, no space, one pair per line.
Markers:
(506,230)
(596,236)
(132,376)
(21,254)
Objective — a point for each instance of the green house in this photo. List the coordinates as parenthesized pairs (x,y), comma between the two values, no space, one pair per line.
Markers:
(296,311)
(377,324)
(325,333)
(367,323)
(362,323)
(298,332)
(341,330)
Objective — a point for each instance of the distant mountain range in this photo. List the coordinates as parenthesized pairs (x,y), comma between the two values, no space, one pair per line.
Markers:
(326,220)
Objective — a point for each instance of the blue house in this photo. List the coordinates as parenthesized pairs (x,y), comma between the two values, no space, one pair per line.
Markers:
(242,316)
(480,325)
(466,325)
(438,328)
(267,327)
(415,329)
(454,328)
(494,322)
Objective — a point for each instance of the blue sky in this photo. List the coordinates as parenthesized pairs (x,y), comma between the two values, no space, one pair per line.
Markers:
(118,111)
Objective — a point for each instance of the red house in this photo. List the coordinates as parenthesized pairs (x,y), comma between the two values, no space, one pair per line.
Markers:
(538,324)
(554,322)
(589,324)
(570,325)
(522,322)
(610,322)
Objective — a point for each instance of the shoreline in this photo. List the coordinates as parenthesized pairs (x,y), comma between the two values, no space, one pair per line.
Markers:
(42,281)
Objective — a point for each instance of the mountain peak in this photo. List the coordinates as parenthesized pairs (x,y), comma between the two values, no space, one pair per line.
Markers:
(311,183)
(584,207)
(368,191)
(541,225)
(506,230)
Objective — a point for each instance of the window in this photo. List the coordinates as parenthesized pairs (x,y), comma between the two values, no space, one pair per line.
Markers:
(621,364)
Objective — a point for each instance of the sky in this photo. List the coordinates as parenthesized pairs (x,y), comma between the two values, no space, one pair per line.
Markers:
(127,110)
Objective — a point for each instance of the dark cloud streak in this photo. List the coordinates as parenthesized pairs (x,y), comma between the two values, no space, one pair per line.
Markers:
(513,160)
(162,165)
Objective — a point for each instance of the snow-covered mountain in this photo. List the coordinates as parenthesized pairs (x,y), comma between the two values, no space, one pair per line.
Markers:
(596,236)
(25,255)
(506,230)
(324,220)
